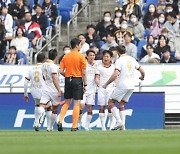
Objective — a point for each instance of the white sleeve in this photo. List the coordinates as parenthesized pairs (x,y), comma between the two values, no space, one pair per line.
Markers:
(26,87)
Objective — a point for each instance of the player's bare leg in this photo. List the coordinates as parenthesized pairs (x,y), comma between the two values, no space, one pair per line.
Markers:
(122,114)
(88,117)
(102,117)
(115,112)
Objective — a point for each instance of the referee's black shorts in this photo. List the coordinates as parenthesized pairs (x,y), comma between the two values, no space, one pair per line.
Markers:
(73,88)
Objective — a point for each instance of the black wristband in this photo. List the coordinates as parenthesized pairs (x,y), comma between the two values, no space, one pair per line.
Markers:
(85,85)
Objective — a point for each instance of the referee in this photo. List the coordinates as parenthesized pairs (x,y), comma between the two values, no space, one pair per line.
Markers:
(73,66)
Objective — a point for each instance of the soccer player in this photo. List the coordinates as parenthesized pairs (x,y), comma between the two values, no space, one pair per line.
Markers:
(37,84)
(125,68)
(73,67)
(52,90)
(89,95)
(104,71)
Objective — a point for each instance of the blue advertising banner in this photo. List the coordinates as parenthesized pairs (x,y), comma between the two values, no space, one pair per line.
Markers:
(143,111)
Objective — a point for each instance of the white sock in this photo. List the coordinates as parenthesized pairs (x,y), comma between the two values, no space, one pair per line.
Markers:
(80,120)
(52,121)
(38,112)
(48,116)
(123,117)
(88,120)
(115,113)
(111,120)
(102,118)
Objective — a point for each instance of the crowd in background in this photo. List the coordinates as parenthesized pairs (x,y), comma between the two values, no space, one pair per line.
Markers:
(150,34)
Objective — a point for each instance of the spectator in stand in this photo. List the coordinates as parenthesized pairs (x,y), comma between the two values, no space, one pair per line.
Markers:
(174,5)
(136,27)
(162,43)
(115,54)
(161,6)
(119,34)
(110,42)
(84,45)
(17,10)
(50,10)
(158,25)
(166,56)
(66,50)
(2,40)
(132,7)
(131,49)
(173,27)
(105,26)
(11,57)
(40,18)
(31,29)
(150,41)
(117,17)
(91,36)
(5,3)
(150,15)
(7,21)
(151,57)
(20,41)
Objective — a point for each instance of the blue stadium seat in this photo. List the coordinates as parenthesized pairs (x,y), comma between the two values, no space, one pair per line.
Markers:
(31,5)
(22,56)
(147,33)
(64,9)
(139,47)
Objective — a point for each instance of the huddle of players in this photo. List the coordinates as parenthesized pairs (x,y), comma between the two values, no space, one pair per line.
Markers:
(113,80)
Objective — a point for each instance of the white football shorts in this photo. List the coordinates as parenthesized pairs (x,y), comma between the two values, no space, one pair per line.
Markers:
(88,98)
(121,94)
(104,95)
(53,97)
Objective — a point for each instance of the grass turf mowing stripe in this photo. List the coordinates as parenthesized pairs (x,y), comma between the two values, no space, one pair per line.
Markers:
(130,141)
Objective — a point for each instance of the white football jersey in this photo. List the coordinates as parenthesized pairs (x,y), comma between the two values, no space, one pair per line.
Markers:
(127,66)
(90,74)
(35,76)
(48,68)
(105,73)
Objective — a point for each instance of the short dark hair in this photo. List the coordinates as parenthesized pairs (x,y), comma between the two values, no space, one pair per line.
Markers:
(81,35)
(66,46)
(166,48)
(107,52)
(112,49)
(107,12)
(132,14)
(109,33)
(74,42)
(91,26)
(149,45)
(172,14)
(88,51)
(12,47)
(52,54)
(121,49)
(37,5)
(41,57)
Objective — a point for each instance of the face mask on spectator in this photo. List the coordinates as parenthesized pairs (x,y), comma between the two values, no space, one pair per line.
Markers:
(66,51)
(124,26)
(107,19)
(118,14)
(161,20)
(133,19)
(151,9)
(169,10)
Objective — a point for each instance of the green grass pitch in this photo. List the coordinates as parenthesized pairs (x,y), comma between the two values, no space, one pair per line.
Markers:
(92,142)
